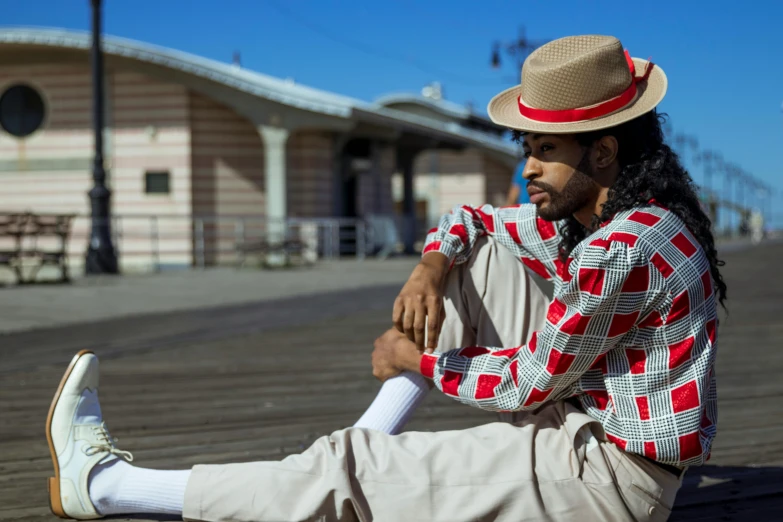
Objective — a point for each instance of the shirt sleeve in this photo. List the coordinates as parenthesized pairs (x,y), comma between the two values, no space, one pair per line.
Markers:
(609,291)
(518,228)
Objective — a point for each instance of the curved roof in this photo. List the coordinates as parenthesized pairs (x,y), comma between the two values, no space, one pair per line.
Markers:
(278,90)
(444,107)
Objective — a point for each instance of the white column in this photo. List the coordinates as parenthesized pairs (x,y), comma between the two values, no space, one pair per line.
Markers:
(275,139)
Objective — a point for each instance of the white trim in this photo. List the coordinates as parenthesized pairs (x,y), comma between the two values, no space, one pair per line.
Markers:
(444,107)
(241,79)
(257,84)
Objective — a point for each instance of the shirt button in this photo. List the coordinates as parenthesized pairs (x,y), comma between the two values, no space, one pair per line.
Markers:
(652,510)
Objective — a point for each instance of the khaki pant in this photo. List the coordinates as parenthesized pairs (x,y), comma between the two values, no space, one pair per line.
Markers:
(491,301)
(538,468)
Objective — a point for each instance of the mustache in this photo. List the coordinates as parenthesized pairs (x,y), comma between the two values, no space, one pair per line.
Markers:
(546,187)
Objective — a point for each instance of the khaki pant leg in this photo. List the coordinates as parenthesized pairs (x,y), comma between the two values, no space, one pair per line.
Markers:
(491,300)
(502,472)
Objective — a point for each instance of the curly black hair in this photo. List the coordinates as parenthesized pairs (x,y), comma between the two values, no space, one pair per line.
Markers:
(649,169)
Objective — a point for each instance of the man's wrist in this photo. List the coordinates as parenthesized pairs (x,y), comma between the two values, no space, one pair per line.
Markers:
(435,259)
(410,360)
(438,263)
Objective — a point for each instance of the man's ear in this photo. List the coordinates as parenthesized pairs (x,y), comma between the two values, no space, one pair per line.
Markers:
(606,150)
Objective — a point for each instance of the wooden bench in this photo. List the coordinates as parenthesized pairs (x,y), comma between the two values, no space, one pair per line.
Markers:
(28,234)
(299,246)
(12,229)
(288,250)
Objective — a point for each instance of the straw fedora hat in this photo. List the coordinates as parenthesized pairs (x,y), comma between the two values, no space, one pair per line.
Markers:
(579,84)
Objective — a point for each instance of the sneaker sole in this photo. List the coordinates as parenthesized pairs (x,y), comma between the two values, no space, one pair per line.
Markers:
(53,483)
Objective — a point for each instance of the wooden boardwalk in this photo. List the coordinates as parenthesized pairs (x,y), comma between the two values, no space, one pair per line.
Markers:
(262,381)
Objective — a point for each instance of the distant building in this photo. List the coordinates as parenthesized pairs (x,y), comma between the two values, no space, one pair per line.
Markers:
(199,152)
(445,178)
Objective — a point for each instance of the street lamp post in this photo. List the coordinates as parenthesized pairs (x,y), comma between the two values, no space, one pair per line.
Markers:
(768,194)
(518,49)
(744,179)
(712,209)
(707,159)
(101,258)
(729,172)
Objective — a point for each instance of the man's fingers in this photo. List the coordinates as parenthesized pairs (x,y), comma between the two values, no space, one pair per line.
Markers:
(441,318)
(419,326)
(419,318)
(433,321)
(397,314)
(407,320)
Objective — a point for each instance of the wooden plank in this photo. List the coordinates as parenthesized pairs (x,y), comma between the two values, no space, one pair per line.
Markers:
(262,381)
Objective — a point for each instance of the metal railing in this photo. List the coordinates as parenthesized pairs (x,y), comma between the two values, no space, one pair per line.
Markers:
(216,237)
(163,241)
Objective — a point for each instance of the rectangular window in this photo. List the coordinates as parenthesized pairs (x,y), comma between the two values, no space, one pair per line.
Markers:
(157,183)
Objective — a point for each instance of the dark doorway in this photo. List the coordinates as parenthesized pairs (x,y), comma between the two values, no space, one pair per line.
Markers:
(356,159)
(350,186)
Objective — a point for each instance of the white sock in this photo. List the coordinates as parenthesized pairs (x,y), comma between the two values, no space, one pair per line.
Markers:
(117,488)
(395,403)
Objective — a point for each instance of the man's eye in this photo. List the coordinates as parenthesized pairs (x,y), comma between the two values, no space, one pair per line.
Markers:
(545,148)
(526,154)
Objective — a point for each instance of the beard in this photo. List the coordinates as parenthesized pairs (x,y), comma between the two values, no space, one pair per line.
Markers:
(574,196)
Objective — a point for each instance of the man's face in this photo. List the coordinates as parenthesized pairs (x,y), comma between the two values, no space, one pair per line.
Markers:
(559,175)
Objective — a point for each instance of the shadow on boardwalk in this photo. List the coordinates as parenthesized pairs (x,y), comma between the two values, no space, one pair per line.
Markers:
(261,381)
(731,493)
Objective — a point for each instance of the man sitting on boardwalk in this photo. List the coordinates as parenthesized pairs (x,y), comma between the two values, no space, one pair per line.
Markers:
(616,389)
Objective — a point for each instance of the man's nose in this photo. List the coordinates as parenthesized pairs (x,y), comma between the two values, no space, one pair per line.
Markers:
(533,169)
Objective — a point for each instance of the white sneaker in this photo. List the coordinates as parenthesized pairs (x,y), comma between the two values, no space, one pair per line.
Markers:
(78,439)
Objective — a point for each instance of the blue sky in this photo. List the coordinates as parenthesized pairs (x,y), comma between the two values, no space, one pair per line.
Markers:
(722,58)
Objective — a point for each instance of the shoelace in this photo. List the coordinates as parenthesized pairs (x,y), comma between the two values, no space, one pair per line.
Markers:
(106,443)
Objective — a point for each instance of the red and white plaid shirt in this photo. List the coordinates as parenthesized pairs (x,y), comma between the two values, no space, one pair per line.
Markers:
(631,331)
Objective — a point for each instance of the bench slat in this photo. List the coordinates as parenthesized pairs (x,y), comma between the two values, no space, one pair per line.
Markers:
(27,225)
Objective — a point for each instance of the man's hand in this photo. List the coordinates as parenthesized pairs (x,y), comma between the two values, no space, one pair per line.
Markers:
(393,354)
(420,299)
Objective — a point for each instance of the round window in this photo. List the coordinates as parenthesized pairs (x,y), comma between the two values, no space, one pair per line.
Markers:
(21,110)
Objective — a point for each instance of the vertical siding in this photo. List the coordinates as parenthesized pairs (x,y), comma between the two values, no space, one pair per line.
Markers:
(387,165)
(227,157)
(216,163)
(310,174)
(375,184)
(50,171)
(150,132)
(462,180)
(443,180)
(146,129)
(498,176)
